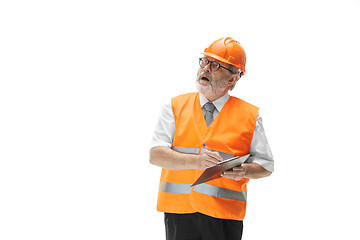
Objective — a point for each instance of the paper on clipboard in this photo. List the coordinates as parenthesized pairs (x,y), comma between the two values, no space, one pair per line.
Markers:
(216,170)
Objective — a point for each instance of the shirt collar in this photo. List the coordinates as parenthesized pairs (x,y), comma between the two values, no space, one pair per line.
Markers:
(219,103)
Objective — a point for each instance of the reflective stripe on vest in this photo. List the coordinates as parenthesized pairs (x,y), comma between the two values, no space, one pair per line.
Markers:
(196,151)
(220,192)
(181,188)
(186,150)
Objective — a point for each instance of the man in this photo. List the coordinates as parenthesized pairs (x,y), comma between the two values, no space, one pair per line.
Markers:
(188,128)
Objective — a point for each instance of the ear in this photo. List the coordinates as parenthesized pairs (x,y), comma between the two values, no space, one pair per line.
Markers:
(233,79)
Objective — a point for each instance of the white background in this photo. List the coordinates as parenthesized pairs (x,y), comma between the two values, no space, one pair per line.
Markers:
(82,83)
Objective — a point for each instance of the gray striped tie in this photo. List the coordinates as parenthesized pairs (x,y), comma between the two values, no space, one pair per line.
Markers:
(209,110)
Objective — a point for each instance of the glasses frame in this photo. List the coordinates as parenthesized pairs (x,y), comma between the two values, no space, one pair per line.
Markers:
(220,66)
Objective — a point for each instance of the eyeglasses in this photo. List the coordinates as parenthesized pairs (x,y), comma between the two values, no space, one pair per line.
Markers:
(214,66)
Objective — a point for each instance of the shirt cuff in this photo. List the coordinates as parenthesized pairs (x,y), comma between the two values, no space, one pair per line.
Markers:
(156,143)
(265,163)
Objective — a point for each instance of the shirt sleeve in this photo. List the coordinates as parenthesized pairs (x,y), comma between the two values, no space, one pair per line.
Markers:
(260,151)
(164,128)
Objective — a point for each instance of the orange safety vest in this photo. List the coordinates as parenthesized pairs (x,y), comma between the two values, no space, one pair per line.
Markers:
(230,134)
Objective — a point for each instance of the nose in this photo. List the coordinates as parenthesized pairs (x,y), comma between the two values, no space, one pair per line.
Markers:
(207,68)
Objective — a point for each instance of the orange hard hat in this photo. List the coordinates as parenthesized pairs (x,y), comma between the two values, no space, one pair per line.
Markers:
(227,50)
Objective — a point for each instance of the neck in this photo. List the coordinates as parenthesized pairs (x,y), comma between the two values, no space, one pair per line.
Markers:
(212,98)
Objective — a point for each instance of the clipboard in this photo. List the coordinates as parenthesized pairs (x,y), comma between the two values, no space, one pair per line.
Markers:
(215,171)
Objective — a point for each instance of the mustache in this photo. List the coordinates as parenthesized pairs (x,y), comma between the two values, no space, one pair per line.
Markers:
(205,74)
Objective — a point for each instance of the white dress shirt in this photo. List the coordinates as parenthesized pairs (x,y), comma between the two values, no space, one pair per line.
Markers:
(260,151)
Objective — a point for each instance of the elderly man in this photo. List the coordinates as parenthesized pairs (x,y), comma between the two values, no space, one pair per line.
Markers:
(192,124)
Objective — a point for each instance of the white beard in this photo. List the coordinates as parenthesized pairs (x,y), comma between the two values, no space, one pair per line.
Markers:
(211,90)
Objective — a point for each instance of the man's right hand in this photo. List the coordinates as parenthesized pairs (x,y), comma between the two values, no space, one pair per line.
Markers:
(208,159)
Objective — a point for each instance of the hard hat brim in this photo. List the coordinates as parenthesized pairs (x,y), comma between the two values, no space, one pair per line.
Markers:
(224,61)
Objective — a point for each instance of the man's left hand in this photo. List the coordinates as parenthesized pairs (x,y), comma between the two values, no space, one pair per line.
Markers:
(236,174)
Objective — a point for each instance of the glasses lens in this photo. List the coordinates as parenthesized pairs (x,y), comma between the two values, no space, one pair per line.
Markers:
(203,62)
(214,66)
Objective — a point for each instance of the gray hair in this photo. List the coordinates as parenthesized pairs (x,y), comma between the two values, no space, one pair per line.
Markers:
(235,70)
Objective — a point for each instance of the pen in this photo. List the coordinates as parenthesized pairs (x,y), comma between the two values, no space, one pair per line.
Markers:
(207,148)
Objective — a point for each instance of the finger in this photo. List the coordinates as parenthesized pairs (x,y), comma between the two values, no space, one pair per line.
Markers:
(210,165)
(231,175)
(215,155)
(212,161)
(210,158)
(227,174)
(234,173)
(239,168)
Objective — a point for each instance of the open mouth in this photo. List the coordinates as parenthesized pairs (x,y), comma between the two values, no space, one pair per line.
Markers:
(204,78)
